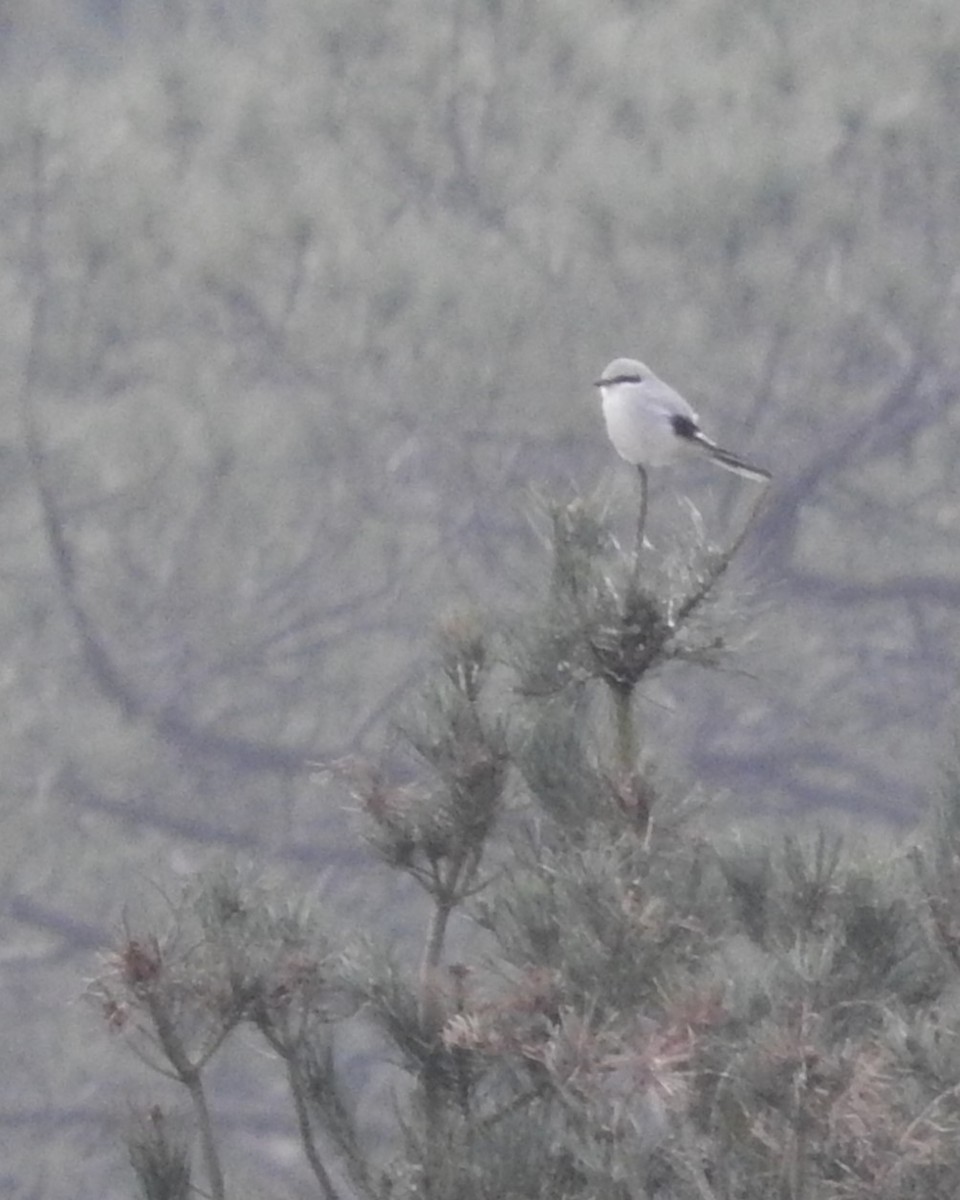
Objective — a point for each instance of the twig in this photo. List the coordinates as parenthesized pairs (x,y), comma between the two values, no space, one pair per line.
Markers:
(702,590)
(641,526)
(926,1113)
(626,732)
(306,1131)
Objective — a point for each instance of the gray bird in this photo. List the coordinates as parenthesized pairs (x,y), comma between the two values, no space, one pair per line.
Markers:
(651,425)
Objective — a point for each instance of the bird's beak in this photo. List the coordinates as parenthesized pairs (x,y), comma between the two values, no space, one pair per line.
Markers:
(599,383)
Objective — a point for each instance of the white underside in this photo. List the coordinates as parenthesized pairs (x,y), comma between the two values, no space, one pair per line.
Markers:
(638,419)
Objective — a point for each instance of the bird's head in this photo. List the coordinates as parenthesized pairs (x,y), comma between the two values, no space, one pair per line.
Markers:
(623,370)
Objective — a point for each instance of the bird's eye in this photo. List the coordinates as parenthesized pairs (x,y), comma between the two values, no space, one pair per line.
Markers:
(616,380)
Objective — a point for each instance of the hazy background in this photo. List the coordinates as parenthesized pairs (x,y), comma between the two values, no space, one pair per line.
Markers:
(300,305)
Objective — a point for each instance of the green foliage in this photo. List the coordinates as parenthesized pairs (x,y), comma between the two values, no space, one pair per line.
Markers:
(645,1005)
(160,1156)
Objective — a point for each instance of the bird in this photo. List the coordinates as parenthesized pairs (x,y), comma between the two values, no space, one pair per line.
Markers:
(652,425)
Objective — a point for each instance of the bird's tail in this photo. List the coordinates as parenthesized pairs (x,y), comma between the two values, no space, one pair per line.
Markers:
(730,461)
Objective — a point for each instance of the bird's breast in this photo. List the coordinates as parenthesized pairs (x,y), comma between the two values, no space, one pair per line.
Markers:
(641,433)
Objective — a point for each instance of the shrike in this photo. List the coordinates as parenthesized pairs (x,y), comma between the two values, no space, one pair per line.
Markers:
(651,425)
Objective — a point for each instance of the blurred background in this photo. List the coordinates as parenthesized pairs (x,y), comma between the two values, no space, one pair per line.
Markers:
(301,306)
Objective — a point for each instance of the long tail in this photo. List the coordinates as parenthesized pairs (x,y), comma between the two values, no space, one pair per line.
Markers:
(724,458)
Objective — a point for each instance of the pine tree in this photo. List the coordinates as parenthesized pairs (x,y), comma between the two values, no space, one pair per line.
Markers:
(636,1007)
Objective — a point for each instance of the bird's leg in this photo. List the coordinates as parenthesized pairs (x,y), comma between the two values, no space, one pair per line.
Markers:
(641,523)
